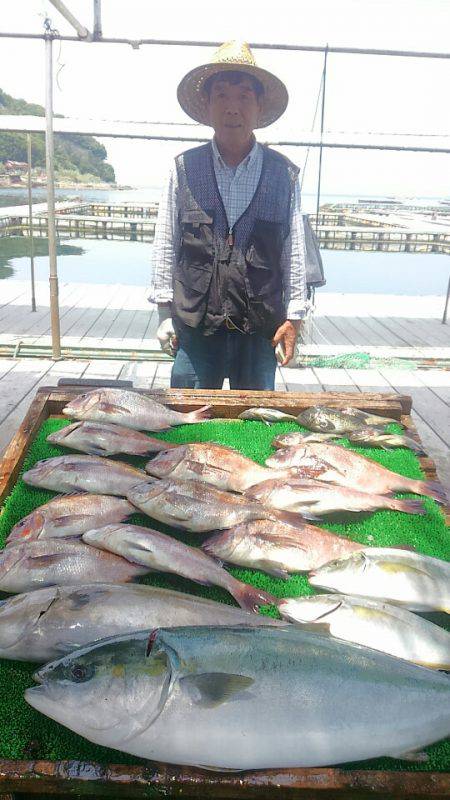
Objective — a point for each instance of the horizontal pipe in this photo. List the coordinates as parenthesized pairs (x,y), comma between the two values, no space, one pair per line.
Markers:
(254,45)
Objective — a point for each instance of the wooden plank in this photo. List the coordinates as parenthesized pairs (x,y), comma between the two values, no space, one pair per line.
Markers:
(104,368)
(139,324)
(142,373)
(12,460)
(301,379)
(334,380)
(19,382)
(431,408)
(161,780)
(162,375)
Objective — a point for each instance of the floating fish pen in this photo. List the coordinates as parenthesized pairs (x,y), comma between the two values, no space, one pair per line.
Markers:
(39,756)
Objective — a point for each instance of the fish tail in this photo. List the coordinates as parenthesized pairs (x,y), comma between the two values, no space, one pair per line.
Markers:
(249,597)
(431,489)
(199,415)
(408,506)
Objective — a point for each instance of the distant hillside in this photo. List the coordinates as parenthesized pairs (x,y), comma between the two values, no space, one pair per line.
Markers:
(74,153)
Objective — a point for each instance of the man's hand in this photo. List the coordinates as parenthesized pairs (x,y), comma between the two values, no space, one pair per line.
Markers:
(166,333)
(286,335)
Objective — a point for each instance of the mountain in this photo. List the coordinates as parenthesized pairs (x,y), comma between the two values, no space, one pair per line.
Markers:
(74,153)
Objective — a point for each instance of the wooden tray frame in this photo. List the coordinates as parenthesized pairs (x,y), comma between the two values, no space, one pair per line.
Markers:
(68,778)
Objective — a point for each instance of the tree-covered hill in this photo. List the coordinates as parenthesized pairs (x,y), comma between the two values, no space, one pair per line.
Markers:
(73,152)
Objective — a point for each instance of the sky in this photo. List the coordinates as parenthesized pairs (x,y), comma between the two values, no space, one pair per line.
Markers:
(364,94)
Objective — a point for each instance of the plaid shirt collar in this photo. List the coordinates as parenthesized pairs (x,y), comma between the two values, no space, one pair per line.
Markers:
(246,163)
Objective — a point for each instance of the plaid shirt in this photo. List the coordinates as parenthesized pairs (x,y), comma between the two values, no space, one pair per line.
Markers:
(237,187)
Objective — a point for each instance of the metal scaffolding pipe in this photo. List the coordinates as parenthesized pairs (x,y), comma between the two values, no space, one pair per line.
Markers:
(97,20)
(254,45)
(83,32)
(322,117)
(49,157)
(30,228)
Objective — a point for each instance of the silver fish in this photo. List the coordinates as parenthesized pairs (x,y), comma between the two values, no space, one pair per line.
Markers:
(194,506)
(295,438)
(131,409)
(418,582)
(61,562)
(373,437)
(278,548)
(84,473)
(70,515)
(373,624)
(334,420)
(47,623)
(368,419)
(165,554)
(211,463)
(336,464)
(102,439)
(244,698)
(314,499)
(267,415)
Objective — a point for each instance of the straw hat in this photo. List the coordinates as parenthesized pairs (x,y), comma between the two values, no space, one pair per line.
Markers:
(232,56)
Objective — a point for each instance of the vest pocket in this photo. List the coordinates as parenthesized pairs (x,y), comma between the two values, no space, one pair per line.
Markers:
(196,238)
(263,258)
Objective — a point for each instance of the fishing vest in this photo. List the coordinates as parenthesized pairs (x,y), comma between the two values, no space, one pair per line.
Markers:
(233,275)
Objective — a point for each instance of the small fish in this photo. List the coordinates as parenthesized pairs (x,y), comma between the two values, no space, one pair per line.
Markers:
(49,562)
(294,439)
(70,515)
(194,506)
(131,409)
(165,554)
(211,463)
(84,473)
(372,623)
(418,582)
(336,464)
(47,623)
(333,420)
(314,499)
(244,698)
(373,437)
(369,419)
(266,415)
(278,548)
(101,439)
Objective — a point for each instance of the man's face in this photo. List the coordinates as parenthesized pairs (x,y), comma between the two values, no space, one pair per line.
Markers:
(233,110)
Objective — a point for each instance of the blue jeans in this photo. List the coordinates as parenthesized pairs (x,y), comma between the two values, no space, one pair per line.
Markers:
(203,362)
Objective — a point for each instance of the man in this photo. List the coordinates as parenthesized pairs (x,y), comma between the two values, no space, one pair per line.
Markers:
(229,254)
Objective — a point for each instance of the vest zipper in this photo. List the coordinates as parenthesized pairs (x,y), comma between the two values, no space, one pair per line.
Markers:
(230,238)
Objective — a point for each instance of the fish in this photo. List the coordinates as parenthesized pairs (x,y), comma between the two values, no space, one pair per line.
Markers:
(369,419)
(266,415)
(296,438)
(336,464)
(47,623)
(374,438)
(102,439)
(70,515)
(61,562)
(314,499)
(194,506)
(413,580)
(278,548)
(372,623)
(84,473)
(335,420)
(240,698)
(131,409)
(165,554)
(220,466)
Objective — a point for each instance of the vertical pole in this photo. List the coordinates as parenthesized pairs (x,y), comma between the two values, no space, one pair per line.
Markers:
(97,20)
(444,317)
(49,154)
(322,117)
(30,219)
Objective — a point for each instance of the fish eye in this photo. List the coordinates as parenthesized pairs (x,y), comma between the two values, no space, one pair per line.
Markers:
(80,673)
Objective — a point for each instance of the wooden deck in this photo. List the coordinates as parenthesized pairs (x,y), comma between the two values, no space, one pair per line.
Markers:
(120,317)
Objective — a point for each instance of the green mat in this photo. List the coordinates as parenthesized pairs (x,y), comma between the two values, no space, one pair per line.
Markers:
(24,733)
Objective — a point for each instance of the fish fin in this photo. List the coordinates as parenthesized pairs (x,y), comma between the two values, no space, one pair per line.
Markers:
(418,756)
(433,489)
(272,569)
(60,522)
(211,689)
(249,597)
(97,450)
(409,506)
(112,408)
(199,415)
(210,768)
(36,562)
